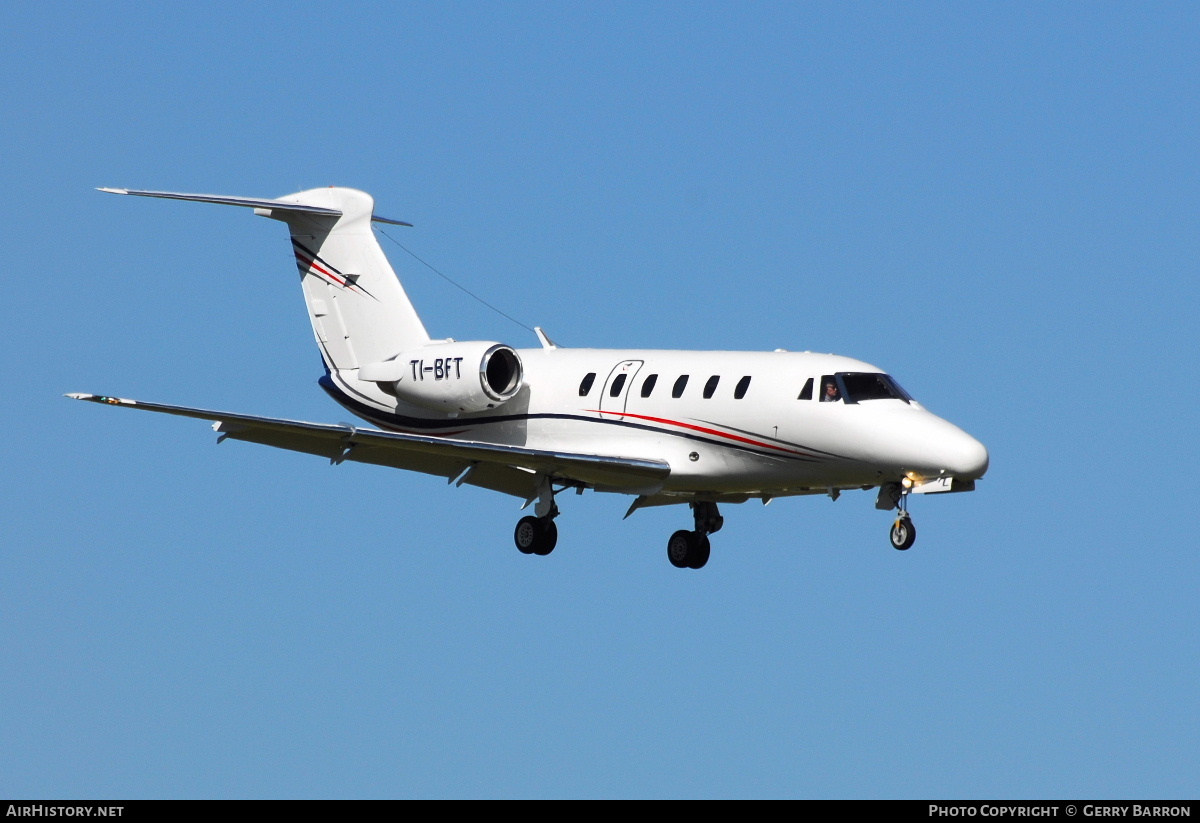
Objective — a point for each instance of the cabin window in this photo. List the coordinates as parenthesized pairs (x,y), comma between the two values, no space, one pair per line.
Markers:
(806,392)
(830,392)
(617,385)
(711,386)
(680,385)
(740,391)
(586,385)
(648,385)
(860,387)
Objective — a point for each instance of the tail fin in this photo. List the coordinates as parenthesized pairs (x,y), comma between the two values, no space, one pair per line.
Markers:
(359,311)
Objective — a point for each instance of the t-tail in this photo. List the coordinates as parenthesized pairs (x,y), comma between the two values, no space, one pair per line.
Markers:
(359,311)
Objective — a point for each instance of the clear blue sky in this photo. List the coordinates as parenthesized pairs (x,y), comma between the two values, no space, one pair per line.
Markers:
(997,203)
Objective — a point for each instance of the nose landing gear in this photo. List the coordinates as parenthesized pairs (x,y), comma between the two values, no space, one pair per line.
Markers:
(690,549)
(903,533)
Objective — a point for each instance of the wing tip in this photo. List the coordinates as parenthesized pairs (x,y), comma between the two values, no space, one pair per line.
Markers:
(100,398)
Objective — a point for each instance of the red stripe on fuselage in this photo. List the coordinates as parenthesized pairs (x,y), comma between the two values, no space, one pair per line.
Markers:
(693,427)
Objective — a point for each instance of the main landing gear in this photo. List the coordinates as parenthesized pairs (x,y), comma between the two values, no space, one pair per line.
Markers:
(690,549)
(536,535)
(539,535)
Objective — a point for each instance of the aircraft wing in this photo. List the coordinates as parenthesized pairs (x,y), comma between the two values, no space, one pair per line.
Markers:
(513,470)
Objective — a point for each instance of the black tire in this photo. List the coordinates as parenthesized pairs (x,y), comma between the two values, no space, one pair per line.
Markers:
(679,549)
(547,537)
(903,534)
(701,548)
(527,535)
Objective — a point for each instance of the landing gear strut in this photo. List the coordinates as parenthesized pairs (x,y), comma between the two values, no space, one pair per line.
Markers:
(903,533)
(690,549)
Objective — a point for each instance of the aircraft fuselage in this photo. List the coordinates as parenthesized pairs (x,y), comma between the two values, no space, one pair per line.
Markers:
(751,431)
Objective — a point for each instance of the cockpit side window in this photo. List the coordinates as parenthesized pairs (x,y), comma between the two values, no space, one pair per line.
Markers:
(862,386)
(830,392)
(806,392)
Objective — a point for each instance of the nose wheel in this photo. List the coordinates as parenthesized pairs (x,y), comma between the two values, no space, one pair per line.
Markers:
(903,533)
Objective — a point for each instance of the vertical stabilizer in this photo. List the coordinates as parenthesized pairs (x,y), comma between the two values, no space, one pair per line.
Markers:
(359,311)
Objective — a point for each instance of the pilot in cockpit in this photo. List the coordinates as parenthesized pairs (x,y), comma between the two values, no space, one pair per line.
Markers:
(831,394)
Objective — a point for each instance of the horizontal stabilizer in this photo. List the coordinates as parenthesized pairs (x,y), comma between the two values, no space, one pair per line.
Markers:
(247,202)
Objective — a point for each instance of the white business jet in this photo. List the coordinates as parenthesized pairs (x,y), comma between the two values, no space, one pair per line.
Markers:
(668,427)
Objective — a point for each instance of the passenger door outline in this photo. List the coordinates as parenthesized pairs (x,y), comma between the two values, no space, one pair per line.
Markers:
(616,405)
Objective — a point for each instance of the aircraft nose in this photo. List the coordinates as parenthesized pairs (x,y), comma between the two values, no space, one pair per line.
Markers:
(935,446)
(966,457)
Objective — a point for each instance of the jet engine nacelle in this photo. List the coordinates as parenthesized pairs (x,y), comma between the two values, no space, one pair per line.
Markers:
(451,377)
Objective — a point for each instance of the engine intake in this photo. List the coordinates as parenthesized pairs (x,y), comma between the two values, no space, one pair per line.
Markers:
(501,374)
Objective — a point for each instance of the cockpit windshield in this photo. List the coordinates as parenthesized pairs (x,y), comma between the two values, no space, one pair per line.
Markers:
(860,386)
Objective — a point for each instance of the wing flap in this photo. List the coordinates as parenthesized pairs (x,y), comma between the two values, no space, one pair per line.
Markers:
(509,469)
